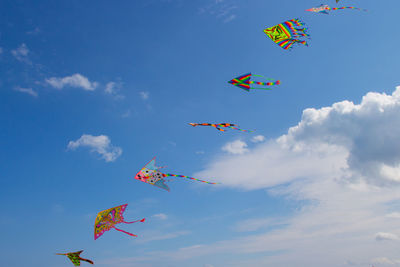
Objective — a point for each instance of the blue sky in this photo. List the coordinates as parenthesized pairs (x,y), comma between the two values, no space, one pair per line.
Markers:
(90,91)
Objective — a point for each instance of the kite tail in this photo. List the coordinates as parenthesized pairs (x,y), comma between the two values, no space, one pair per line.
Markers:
(142,220)
(235,128)
(89,261)
(294,27)
(288,43)
(187,177)
(268,83)
(124,232)
(348,7)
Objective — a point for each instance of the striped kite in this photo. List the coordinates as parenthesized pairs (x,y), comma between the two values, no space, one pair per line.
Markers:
(288,33)
(218,126)
(75,257)
(107,219)
(244,82)
(323,9)
(150,174)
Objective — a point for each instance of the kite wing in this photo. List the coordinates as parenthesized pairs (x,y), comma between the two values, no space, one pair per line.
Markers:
(75,257)
(107,219)
(242,81)
(150,174)
(321,9)
(288,33)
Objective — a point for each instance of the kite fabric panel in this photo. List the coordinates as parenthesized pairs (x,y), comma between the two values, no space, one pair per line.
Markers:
(219,126)
(75,257)
(244,82)
(107,219)
(324,9)
(150,174)
(288,33)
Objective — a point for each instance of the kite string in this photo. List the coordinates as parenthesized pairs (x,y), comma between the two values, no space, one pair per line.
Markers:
(124,231)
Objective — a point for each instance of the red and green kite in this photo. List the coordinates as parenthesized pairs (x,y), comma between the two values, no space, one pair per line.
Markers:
(244,82)
(219,126)
(75,257)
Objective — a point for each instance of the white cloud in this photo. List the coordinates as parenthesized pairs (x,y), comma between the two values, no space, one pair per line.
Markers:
(28,91)
(258,139)
(144,95)
(236,147)
(160,216)
(100,144)
(21,53)
(385,236)
(76,80)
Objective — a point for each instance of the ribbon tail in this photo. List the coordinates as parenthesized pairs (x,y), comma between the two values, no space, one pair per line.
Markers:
(125,232)
(89,261)
(142,220)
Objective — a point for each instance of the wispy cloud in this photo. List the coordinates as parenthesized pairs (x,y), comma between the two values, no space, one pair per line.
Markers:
(160,216)
(236,147)
(113,88)
(157,236)
(21,53)
(28,91)
(258,139)
(144,95)
(221,9)
(34,31)
(99,144)
(1,50)
(385,236)
(76,80)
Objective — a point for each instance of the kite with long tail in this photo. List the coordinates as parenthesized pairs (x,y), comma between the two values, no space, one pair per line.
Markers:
(244,82)
(219,126)
(324,9)
(107,219)
(75,257)
(150,174)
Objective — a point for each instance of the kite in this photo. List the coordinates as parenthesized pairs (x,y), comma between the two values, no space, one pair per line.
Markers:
(107,219)
(244,82)
(150,174)
(325,8)
(218,126)
(75,257)
(288,33)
